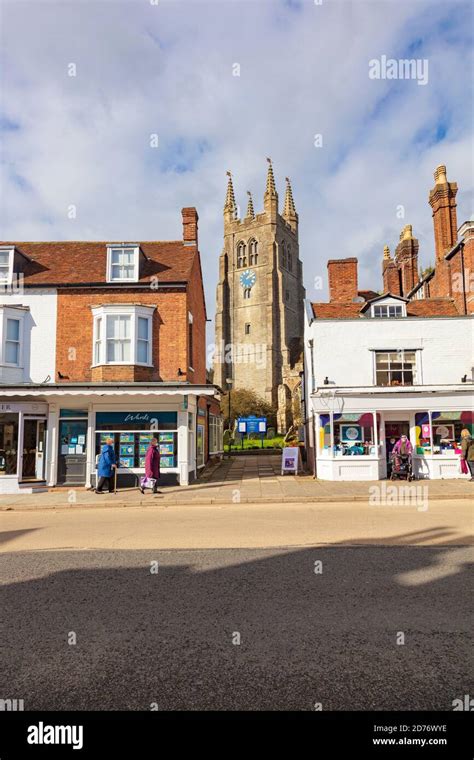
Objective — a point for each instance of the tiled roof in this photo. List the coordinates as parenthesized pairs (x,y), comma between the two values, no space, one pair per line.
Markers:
(432,307)
(72,262)
(429,307)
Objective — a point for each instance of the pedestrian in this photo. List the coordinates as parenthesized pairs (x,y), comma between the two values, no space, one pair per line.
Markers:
(106,466)
(402,448)
(467,447)
(152,466)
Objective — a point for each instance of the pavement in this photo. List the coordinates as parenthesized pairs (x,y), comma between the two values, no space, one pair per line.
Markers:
(247,479)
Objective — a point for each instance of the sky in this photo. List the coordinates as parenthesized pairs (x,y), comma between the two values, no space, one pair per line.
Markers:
(85,87)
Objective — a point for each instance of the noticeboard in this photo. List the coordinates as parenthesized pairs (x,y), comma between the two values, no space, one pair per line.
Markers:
(290,460)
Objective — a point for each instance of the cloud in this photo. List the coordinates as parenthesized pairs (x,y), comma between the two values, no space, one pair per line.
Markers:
(167,69)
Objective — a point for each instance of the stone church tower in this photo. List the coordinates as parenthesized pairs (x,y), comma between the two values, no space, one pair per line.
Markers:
(260,294)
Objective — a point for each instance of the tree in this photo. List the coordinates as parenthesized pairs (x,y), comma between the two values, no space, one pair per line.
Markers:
(245,402)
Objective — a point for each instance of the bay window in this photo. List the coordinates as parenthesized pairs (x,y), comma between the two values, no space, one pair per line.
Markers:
(122,334)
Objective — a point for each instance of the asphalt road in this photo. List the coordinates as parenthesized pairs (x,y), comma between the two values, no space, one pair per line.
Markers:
(169,638)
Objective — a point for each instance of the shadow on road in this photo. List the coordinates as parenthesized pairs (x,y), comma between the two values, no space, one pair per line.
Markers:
(309,633)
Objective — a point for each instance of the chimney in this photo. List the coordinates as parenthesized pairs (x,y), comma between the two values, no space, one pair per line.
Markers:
(443,202)
(342,275)
(390,274)
(190,226)
(406,259)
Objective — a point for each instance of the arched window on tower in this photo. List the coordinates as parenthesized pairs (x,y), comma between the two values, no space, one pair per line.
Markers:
(253,252)
(247,292)
(283,255)
(290,259)
(241,254)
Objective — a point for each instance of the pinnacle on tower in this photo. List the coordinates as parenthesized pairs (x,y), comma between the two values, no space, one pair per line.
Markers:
(270,191)
(250,210)
(289,211)
(386,253)
(230,206)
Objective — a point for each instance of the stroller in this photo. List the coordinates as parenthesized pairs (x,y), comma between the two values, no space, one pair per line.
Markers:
(401,467)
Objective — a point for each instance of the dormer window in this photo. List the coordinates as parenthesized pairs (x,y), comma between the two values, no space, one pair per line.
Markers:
(122,263)
(6,265)
(388,310)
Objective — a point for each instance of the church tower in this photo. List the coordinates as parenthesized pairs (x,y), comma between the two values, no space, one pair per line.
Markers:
(260,295)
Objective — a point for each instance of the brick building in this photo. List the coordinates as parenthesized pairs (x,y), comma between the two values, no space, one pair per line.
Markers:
(399,361)
(103,338)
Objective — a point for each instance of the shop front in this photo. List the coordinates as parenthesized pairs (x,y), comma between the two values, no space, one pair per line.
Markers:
(23,432)
(355,433)
(55,436)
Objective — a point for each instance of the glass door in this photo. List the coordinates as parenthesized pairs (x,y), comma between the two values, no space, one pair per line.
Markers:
(34,448)
(72,452)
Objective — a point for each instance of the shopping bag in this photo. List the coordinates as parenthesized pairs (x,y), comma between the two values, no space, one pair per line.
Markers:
(464,467)
(147,482)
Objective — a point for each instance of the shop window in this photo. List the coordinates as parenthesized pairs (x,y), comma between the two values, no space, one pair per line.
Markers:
(215,434)
(122,335)
(200,446)
(446,430)
(395,368)
(8,444)
(132,433)
(122,263)
(353,435)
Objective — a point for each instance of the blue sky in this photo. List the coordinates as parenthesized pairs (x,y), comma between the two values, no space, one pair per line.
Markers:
(167,69)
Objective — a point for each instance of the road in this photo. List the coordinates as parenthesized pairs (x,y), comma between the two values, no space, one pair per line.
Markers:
(241,607)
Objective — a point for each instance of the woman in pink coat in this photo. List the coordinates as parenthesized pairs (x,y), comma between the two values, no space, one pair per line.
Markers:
(152,464)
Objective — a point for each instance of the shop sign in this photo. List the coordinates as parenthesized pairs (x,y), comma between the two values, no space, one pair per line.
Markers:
(290,459)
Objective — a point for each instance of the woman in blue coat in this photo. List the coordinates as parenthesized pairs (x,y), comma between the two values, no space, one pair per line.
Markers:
(106,466)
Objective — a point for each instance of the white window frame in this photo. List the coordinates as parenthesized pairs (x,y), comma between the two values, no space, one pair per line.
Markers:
(8,279)
(417,379)
(99,342)
(386,305)
(19,315)
(123,247)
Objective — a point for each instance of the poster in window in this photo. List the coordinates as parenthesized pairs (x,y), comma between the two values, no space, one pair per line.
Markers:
(166,462)
(351,433)
(127,437)
(167,449)
(127,461)
(104,436)
(166,437)
(446,432)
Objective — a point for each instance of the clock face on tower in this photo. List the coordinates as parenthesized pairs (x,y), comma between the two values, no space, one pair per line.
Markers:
(248,278)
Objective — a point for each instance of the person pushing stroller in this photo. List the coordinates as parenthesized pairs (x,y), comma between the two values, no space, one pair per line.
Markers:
(402,457)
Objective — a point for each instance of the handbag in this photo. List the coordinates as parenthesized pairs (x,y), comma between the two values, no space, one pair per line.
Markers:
(147,482)
(464,467)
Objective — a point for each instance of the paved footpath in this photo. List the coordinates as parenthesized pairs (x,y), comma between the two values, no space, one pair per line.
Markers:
(248,480)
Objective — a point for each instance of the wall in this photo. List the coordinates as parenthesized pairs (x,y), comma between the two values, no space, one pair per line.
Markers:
(39,348)
(341,348)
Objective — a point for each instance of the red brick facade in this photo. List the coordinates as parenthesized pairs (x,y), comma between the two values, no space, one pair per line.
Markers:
(342,274)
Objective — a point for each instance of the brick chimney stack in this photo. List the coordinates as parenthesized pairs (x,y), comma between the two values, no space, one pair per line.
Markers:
(443,202)
(342,275)
(406,259)
(190,226)
(390,274)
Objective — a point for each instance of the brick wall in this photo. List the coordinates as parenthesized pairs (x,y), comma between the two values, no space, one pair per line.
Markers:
(342,274)
(75,335)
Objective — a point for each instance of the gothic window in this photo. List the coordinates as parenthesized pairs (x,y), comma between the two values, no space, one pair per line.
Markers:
(247,328)
(290,260)
(253,252)
(247,292)
(283,254)
(241,254)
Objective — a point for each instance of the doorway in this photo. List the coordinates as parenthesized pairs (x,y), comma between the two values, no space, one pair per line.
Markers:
(393,432)
(72,457)
(34,447)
